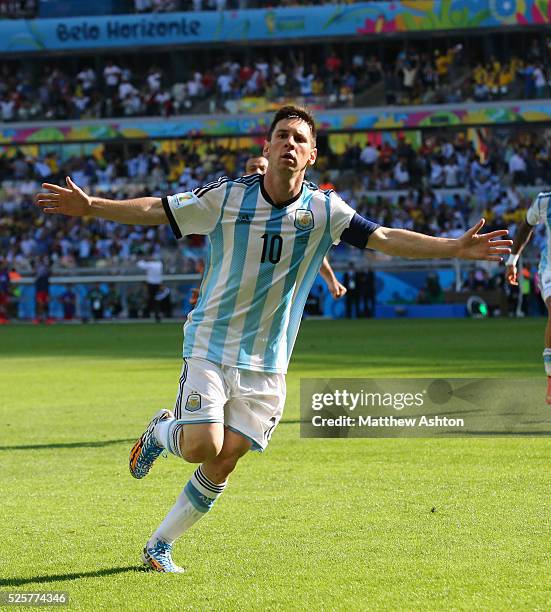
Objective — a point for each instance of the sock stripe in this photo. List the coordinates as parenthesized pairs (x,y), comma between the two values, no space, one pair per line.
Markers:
(215,490)
(175,439)
(208,484)
(207,481)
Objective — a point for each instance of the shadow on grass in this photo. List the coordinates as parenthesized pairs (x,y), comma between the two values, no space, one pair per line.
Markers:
(14,582)
(104,443)
(96,444)
(93,444)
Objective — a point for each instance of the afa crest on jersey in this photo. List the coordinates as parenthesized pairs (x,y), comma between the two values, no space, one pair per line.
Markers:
(304,219)
(193,402)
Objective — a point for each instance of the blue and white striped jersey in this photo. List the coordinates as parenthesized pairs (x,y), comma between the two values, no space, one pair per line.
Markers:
(262,261)
(540,212)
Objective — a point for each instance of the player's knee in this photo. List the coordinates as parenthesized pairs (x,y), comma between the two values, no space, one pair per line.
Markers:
(200,452)
(226,462)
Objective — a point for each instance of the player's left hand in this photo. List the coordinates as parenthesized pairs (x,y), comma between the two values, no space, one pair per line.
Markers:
(473,245)
(337,290)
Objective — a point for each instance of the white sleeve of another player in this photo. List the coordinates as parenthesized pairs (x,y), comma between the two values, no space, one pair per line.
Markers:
(190,213)
(341,215)
(538,210)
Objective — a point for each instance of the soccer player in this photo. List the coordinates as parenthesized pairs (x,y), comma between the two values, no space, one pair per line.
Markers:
(259,165)
(256,165)
(267,238)
(536,213)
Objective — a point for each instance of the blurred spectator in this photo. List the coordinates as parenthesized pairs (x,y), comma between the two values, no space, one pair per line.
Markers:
(69,303)
(136,303)
(112,302)
(96,299)
(42,291)
(163,298)
(366,292)
(153,268)
(431,292)
(4,291)
(351,281)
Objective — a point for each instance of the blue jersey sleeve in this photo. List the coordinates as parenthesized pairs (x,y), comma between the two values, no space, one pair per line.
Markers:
(358,232)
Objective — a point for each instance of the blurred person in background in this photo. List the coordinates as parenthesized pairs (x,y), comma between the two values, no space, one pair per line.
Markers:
(68,301)
(153,267)
(96,300)
(4,292)
(42,291)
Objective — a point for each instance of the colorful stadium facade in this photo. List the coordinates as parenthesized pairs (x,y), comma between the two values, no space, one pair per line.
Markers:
(361,119)
(330,21)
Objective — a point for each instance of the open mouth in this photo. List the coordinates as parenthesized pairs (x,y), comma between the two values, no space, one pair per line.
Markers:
(288,156)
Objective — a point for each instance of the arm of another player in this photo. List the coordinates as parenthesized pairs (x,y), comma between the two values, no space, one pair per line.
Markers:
(74,202)
(472,245)
(336,289)
(522,237)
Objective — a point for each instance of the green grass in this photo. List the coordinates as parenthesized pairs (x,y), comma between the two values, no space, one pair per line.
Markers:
(311,524)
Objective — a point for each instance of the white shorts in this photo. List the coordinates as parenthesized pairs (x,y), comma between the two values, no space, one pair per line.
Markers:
(249,403)
(545,285)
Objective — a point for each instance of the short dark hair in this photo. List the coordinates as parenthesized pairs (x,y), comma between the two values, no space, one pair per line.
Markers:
(293,112)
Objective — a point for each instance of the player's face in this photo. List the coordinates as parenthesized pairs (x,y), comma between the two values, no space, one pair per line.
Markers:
(256,165)
(291,148)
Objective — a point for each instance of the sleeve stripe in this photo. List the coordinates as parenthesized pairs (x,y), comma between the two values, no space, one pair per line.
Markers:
(173,225)
(200,191)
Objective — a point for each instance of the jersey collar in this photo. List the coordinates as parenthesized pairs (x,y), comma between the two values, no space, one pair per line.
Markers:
(272,203)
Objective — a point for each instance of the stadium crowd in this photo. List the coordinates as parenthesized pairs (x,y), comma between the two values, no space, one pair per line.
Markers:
(30,9)
(453,76)
(18,9)
(439,163)
(329,79)
(160,6)
(118,91)
(449,163)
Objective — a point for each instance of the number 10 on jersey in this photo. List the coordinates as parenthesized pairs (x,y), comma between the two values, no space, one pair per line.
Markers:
(271,246)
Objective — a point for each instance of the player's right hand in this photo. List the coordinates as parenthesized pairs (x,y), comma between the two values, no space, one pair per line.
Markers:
(511,275)
(70,200)
(337,290)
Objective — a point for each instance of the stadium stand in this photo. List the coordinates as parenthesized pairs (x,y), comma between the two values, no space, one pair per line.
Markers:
(18,9)
(341,76)
(432,175)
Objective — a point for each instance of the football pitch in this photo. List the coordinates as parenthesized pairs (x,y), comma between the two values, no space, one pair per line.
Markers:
(375,524)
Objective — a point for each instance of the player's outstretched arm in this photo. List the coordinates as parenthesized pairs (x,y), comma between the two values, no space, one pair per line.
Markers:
(74,202)
(472,245)
(336,289)
(522,237)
